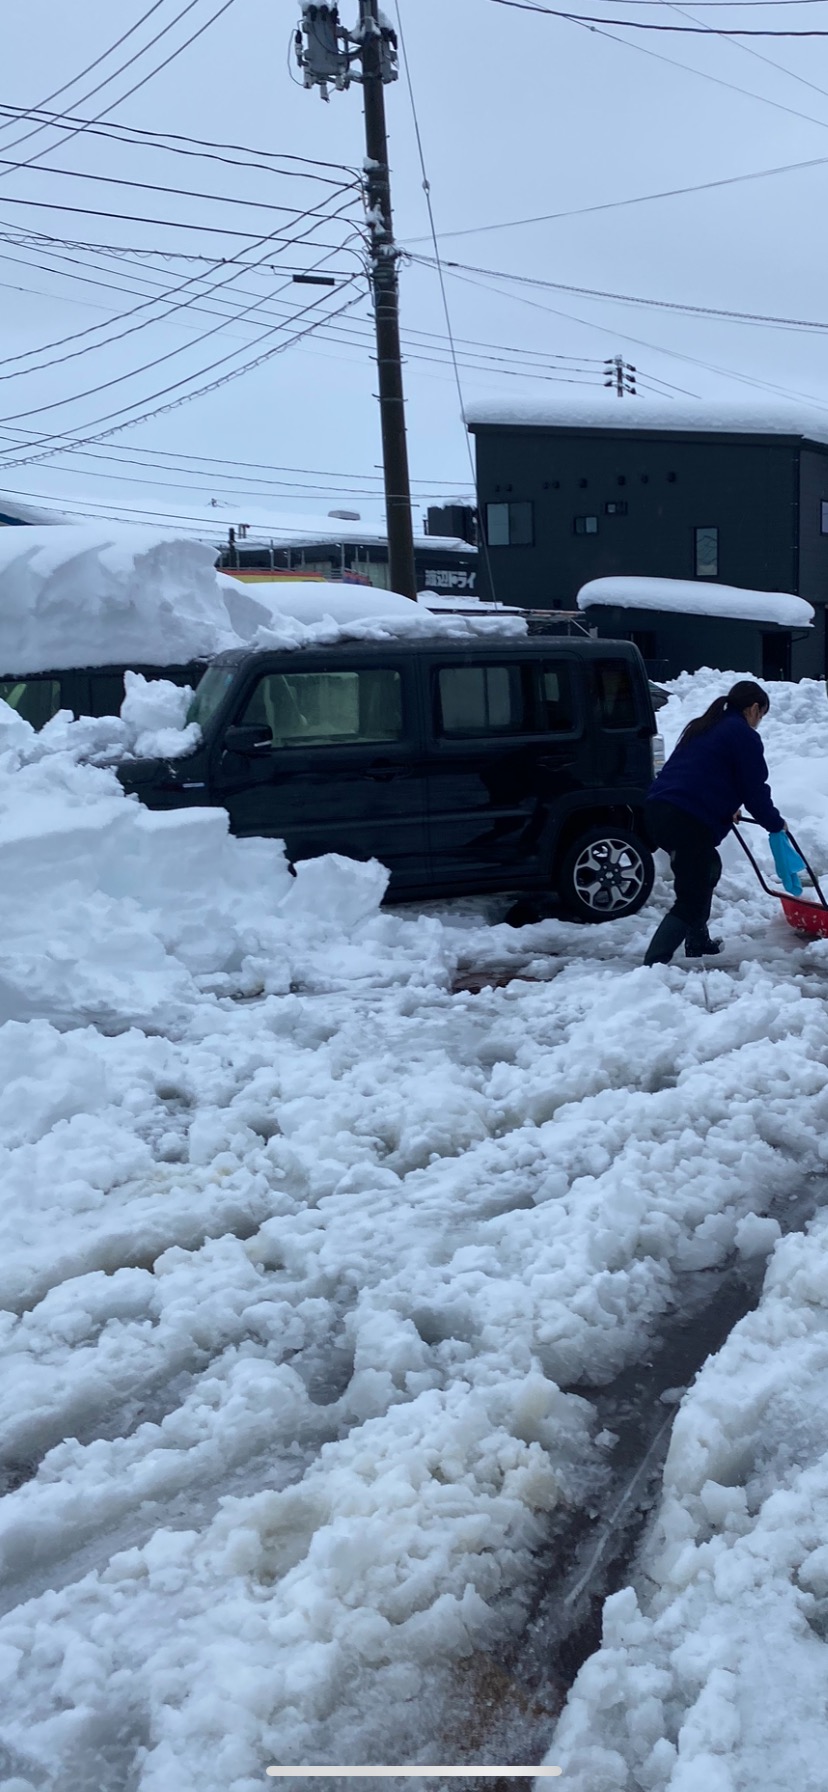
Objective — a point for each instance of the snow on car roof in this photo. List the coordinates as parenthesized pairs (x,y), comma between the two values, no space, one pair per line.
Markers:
(102,594)
(689,598)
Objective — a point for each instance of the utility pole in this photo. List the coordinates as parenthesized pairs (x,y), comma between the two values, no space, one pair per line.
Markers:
(619,375)
(326,53)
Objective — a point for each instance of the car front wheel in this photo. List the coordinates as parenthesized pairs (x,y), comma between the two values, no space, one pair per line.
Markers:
(606,874)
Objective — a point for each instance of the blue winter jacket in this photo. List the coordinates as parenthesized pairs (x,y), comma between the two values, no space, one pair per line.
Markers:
(717,773)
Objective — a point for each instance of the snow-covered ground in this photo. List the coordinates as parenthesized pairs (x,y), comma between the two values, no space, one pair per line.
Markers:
(303,1259)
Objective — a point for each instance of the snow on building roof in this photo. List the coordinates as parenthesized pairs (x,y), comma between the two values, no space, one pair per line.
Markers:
(605,411)
(686,597)
(212,523)
(107,594)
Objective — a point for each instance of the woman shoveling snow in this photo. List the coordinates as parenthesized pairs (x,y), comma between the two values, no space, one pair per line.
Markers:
(717,767)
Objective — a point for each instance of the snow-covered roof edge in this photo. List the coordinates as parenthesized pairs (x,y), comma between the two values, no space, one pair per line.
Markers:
(704,416)
(686,597)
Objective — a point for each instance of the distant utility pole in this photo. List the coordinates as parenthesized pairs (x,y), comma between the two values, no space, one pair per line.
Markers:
(327,54)
(619,375)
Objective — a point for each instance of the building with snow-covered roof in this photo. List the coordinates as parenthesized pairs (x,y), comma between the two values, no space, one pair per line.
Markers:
(676,490)
(351,550)
(680,625)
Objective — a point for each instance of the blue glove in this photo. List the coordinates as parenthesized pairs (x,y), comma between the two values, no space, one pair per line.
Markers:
(788,864)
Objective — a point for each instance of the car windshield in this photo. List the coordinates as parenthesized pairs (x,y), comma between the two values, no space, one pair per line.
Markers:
(212,688)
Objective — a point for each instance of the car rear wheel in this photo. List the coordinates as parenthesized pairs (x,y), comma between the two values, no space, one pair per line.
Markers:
(606,874)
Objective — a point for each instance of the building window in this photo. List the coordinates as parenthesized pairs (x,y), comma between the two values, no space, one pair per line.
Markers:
(617,507)
(823,517)
(622,479)
(586,525)
(645,640)
(509,525)
(776,655)
(706,544)
(672,478)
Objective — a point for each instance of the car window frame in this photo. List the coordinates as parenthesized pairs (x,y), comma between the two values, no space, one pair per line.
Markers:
(408,739)
(574,669)
(638,719)
(472,662)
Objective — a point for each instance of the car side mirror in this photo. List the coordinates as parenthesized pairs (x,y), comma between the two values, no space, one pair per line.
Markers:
(248,738)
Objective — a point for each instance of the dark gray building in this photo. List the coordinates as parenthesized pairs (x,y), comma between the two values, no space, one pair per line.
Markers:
(660,491)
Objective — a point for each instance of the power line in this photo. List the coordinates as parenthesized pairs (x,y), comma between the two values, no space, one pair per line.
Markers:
(730,373)
(119,71)
(173,292)
(749,50)
(117,380)
(64,439)
(622,298)
(207,467)
(146,302)
(443,293)
(609,205)
(145,186)
(411,335)
(704,75)
(578,18)
(46,101)
(56,205)
(175,143)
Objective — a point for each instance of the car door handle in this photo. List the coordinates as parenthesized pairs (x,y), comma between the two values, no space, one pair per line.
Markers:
(381,771)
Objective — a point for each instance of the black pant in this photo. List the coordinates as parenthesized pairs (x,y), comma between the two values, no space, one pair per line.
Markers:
(694,859)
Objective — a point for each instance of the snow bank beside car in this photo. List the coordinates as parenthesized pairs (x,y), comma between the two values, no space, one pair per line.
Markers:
(115,912)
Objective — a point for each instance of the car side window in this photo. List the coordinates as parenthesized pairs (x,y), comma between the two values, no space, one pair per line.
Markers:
(615,694)
(318,709)
(106,690)
(35,699)
(557,697)
(481,700)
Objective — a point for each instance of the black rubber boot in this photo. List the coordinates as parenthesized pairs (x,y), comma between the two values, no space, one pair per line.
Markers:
(665,941)
(700,945)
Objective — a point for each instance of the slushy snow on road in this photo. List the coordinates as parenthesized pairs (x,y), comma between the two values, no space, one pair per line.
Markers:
(308,1265)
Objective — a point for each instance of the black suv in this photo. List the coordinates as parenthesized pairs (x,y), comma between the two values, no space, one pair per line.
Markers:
(517,765)
(87,690)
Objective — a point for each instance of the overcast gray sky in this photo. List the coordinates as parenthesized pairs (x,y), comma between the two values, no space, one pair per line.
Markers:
(520,114)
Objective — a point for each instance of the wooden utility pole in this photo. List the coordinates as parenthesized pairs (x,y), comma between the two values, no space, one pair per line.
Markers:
(326,53)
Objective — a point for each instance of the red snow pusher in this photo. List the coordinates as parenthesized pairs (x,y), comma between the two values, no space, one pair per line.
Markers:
(800,912)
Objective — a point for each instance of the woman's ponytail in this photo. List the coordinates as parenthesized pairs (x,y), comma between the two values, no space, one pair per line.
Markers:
(741,697)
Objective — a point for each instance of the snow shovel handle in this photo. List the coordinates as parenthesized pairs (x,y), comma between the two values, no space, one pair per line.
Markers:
(811,873)
(797,848)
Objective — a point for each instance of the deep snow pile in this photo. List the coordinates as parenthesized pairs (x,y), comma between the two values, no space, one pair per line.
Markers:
(118,593)
(294,1291)
(113,912)
(105,594)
